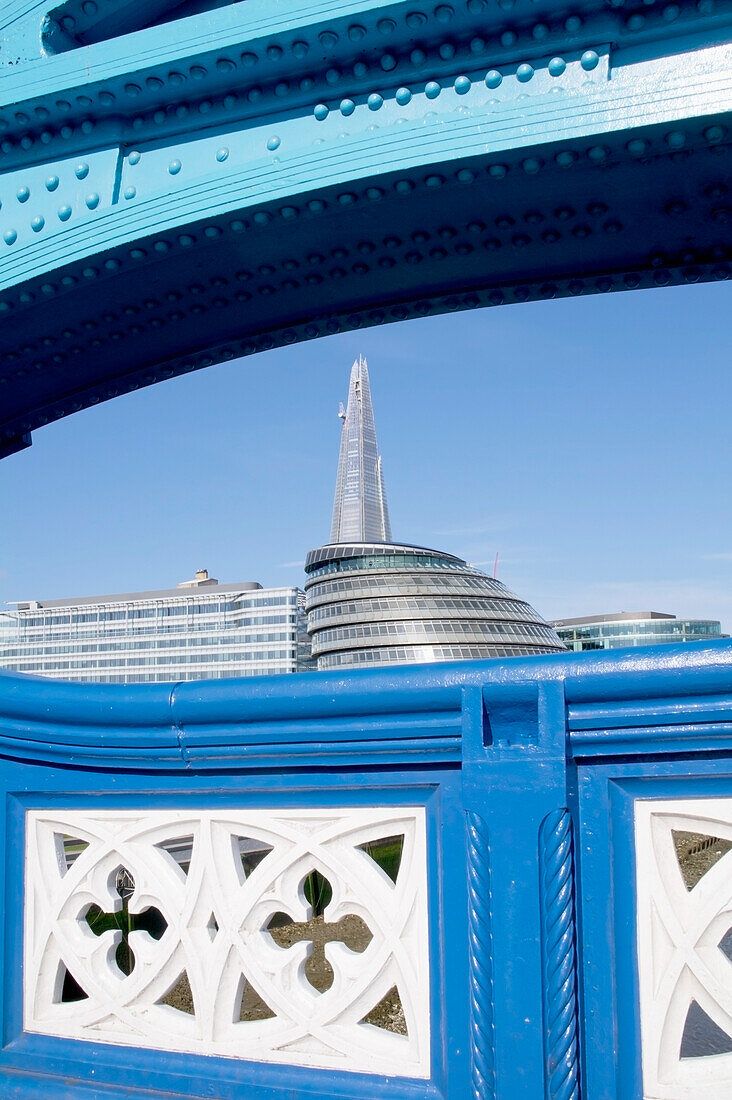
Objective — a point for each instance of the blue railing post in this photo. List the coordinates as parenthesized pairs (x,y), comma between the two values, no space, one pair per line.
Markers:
(521,907)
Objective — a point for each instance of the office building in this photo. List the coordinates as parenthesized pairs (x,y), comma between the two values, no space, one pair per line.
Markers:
(199,630)
(633,628)
(371,601)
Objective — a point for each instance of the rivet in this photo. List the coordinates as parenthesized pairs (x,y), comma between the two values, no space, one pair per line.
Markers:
(64,213)
(573,24)
(565,158)
(174,167)
(137,254)
(332,76)
(589,60)
(320,112)
(416,19)
(597,153)
(92,200)
(540,32)
(52,183)
(273,143)
(675,139)
(508,38)
(10,236)
(346,198)
(465,176)
(23,194)
(375,101)
(462,84)
(432,89)
(446,51)
(386,26)
(81,171)
(418,57)
(134,157)
(434,181)
(403,96)
(493,78)
(531,165)
(444,13)
(249,59)
(635,22)
(671,12)
(300,49)
(557,66)
(222,154)
(130,192)
(403,187)
(388,62)
(637,147)
(477,44)
(38,223)
(713,134)
(316,206)
(498,171)
(524,72)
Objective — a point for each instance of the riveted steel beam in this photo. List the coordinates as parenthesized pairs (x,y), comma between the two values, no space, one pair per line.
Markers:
(203,187)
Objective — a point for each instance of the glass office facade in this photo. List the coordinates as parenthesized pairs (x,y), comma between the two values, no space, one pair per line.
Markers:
(191,632)
(633,629)
(376,603)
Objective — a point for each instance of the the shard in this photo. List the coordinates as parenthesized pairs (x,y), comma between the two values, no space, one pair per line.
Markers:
(360,513)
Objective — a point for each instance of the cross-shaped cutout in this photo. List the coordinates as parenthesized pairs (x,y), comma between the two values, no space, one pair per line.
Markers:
(150,920)
(350,930)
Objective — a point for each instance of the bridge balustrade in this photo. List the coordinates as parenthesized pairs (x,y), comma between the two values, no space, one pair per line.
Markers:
(497,879)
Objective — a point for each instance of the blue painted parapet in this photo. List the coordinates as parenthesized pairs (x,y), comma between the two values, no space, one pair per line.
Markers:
(527,867)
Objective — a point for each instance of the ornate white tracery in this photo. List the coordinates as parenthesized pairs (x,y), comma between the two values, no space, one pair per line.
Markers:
(679,955)
(308,1028)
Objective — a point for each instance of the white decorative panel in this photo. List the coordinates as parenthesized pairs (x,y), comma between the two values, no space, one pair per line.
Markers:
(189,868)
(684,892)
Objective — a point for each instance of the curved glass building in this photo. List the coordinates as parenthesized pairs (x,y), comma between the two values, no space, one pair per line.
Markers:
(372,601)
(386,603)
(633,628)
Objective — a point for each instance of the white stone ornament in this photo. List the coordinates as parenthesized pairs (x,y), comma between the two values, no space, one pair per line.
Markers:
(216,932)
(680,961)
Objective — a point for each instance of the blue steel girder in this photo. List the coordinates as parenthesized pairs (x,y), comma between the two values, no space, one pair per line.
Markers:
(182,184)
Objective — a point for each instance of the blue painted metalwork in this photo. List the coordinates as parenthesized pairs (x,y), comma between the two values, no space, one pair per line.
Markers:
(532,952)
(182,184)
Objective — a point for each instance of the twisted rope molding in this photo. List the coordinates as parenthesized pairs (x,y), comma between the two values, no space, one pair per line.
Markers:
(559,957)
(480,961)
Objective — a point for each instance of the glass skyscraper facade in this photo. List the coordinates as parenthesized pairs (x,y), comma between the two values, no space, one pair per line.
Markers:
(359,509)
(633,628)
(199,630)
(371,601)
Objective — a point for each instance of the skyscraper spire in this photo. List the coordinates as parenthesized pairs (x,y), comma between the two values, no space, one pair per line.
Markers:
(360,513)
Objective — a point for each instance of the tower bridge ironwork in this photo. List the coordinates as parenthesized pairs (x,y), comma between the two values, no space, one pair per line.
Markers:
(182,184)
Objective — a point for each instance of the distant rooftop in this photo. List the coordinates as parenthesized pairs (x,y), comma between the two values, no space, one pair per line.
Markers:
(614,617)
(184,590)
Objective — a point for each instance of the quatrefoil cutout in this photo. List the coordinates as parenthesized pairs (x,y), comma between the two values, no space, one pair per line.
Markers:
(297,936)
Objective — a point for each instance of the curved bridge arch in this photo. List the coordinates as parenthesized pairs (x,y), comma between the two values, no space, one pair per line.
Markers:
(199,189)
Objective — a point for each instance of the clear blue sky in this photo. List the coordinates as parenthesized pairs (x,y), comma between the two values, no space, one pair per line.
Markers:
(587,441)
